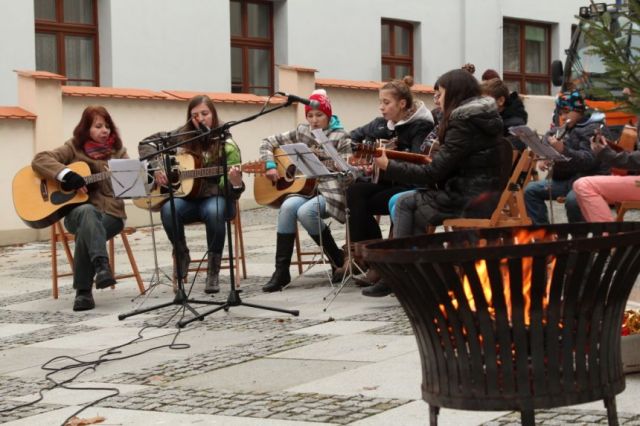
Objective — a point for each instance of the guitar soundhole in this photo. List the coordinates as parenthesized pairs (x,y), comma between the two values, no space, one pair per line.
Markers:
(290,173)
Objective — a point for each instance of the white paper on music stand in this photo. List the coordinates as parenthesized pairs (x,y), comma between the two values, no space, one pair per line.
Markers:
(305,160)
(128,178)
(539,147)
(339,162)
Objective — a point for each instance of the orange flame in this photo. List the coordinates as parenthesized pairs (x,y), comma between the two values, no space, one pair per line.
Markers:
(522,237)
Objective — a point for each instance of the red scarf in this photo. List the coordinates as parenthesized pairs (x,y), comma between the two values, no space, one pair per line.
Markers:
(97,150)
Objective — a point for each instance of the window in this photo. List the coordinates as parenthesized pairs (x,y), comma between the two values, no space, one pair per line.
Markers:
(526,57)
(251,47)
(397,49)
(67,39)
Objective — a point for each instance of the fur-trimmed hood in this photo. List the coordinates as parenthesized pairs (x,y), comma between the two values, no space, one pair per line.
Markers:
(481,112)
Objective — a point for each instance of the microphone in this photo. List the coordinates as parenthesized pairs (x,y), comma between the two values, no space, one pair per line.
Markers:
(293,98)
(203,128)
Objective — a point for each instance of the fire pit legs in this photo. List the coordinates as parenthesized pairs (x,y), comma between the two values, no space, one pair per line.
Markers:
(612,413)
(528,418)
(516,319)
(433,415)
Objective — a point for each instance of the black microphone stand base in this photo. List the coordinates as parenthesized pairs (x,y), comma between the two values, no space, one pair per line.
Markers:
(234,300)
(181,299)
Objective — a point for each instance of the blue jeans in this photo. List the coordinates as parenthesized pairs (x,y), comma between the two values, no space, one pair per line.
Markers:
(392,204)
(536,193)
(92,229)
(308,211)
(209,210)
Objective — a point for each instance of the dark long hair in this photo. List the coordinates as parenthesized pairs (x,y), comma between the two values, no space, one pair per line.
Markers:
(81,132)
(199,144)
(459,86)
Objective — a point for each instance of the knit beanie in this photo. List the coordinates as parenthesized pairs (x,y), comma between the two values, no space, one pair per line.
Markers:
(320,96)
(570,101)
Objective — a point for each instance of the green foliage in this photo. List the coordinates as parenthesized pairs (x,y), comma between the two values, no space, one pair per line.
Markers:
(608,36)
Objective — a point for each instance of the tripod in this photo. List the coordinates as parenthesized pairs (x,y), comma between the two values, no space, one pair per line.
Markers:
(180,298)
(351,264)
(154,281)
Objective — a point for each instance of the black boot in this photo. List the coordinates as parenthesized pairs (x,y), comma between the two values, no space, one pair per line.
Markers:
(335,255)
(213,273)
(281,277)
(379,289)
(104,277)
(180,249)
(83,301)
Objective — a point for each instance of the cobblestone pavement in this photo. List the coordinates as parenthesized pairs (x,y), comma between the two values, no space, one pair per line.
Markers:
(353,361)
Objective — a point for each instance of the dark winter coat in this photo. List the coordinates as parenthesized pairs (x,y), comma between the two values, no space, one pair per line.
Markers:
(474,161)
(577,148)
(512,115)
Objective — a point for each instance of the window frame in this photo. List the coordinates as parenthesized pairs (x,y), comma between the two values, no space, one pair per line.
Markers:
(391,58)
(522,76)
(60,29)
(245,43)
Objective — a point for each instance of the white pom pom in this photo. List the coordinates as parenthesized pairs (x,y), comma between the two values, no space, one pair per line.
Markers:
(320,92)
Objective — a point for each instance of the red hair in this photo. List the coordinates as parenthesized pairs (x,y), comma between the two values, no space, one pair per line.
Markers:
(81,132)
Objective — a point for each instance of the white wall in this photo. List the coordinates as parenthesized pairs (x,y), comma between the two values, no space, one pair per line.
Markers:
(168,44)
(17,46)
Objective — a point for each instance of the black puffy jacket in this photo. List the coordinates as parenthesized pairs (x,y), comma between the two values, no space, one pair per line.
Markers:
(410,133)
(474,159)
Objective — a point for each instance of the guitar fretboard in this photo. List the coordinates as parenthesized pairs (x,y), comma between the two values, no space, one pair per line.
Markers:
(97,177)
(200,173)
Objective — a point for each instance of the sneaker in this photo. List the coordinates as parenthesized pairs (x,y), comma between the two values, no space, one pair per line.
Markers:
(83,301)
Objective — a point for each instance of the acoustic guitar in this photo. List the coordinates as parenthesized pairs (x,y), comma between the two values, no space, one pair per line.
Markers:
(41,202)
(185,180)
(272,194)
(627,142)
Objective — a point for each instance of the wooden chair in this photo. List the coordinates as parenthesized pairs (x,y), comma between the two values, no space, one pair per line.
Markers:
(60,235)
(311,255)
(239,260)
(510,210)
(624,206)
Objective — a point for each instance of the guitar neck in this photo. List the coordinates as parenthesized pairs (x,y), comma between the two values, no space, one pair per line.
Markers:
(201,173)
(409,157)
(97,177)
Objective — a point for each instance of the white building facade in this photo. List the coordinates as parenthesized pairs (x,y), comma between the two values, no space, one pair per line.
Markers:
(199,45)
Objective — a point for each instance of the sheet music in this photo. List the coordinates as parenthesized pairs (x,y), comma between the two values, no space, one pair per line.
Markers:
(305,160)
(339,162)
(128,178)
(539,146)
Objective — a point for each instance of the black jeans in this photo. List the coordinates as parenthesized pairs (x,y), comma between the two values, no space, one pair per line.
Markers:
(92,229)
(366,200)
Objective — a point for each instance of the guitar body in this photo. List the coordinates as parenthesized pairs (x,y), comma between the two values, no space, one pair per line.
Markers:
(157,195)
(41,202)
(187,180)
(272,194)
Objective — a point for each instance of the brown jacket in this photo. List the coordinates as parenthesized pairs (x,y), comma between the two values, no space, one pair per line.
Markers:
(50,163)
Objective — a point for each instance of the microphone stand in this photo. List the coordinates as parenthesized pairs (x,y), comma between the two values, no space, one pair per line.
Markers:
(222,133)
(181,298)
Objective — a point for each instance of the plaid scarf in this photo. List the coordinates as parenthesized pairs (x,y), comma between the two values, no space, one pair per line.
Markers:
(97,150)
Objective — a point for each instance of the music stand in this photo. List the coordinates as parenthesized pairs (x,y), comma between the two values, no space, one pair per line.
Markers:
(543,151)
(346,172)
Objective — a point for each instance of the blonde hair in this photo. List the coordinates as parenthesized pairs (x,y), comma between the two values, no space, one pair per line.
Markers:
(401,89)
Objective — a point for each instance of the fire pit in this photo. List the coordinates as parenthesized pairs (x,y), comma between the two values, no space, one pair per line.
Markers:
(515,318)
